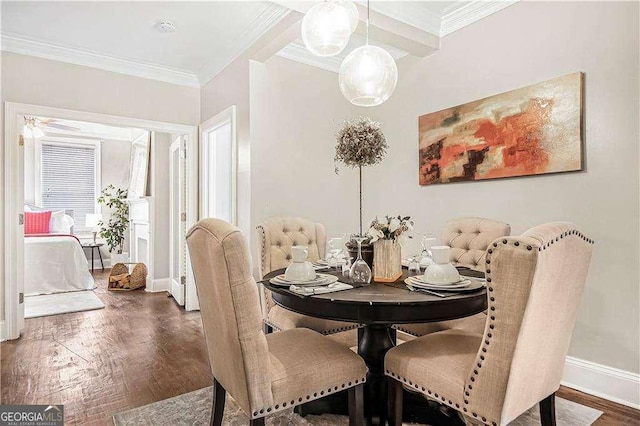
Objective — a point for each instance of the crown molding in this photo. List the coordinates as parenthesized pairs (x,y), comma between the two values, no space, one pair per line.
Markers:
(416,14)
(459,17)
(25,46)
(257,28)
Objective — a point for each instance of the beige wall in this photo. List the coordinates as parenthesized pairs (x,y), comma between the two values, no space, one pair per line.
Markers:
(160,191)
(231,87)
(295,110)
(31,80)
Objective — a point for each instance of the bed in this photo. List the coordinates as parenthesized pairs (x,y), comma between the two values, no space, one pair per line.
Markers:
(55,263)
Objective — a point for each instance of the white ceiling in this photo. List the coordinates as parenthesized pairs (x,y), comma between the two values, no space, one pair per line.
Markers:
(120,36)
(209,34)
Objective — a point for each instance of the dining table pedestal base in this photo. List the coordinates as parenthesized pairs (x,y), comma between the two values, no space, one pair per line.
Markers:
(373,344)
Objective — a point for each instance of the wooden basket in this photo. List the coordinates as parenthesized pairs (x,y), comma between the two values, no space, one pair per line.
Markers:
(121,280)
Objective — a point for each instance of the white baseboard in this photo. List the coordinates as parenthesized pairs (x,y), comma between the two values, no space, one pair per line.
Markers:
(602,381)
(3,334)
(158,285)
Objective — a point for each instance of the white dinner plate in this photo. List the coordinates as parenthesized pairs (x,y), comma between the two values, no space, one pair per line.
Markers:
(420,280)
(474,285)
(321,279)
(418,283)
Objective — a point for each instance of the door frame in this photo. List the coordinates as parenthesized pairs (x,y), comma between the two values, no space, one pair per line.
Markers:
(226,116)
(13,187)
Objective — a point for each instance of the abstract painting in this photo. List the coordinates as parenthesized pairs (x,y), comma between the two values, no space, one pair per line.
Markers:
(529,131)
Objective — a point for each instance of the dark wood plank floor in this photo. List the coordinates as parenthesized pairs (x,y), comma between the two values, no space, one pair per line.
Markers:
(140,349)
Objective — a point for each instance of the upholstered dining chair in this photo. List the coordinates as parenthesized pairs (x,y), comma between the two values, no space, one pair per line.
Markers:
(276,236)
(263,373)
(534,284)
(468,238)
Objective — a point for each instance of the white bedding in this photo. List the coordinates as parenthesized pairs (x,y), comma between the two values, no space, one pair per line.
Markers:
(55,264)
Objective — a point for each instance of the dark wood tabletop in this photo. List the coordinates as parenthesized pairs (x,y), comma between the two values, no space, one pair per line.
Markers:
(379,303)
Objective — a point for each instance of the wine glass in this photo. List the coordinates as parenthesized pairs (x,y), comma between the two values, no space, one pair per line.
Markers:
(428,241)
(360,271)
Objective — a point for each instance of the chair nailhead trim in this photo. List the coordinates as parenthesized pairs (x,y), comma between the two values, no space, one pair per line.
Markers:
(492,307)
(283,405)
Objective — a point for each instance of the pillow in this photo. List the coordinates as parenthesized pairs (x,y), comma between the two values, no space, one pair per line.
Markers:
(60,222)
(36,222)
(33,208)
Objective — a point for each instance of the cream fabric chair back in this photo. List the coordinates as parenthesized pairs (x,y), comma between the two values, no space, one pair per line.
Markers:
(535,283)
(469,238)
(278,234)
(230,309)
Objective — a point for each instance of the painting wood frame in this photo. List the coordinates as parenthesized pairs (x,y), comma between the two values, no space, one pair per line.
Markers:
(533,130)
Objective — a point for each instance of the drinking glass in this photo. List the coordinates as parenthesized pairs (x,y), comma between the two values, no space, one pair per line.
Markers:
(414,265)
(335,247)
(360,271)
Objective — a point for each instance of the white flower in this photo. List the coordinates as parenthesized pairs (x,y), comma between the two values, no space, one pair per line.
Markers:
(394,224)
(375,234)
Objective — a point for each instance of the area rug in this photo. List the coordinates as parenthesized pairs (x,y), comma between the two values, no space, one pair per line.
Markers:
(61,303)
(194,408)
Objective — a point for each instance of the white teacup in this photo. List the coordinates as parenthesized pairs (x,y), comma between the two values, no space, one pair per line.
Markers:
(300,269)
(441,271)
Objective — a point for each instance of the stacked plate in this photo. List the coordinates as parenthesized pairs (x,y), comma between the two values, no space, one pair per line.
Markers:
(319,280)
(417,283)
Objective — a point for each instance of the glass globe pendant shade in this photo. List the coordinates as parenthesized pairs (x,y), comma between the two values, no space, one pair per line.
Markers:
(368,76)
(327,26)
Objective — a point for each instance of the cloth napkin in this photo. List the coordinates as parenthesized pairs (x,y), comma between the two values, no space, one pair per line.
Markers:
(310,291)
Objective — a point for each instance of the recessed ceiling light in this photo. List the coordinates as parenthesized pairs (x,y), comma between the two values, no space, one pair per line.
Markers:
(165,27)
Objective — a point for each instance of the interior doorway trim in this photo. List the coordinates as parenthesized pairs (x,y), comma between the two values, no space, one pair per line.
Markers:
(12,248)
(228,116)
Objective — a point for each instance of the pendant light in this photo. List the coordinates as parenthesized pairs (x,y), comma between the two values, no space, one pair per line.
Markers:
(368,75)
(327,27)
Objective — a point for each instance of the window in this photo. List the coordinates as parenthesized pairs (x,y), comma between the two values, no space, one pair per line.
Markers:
(69,178)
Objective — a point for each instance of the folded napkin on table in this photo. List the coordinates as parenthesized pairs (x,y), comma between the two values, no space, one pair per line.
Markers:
(310,291)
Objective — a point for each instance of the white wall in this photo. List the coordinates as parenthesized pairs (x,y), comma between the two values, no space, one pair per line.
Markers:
(295,110)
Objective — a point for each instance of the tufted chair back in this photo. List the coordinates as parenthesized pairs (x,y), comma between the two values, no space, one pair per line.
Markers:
(230,309)
(535,283)
(277,235)
(469,238)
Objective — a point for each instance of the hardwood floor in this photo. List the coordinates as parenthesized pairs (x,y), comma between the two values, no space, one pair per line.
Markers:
(140,349)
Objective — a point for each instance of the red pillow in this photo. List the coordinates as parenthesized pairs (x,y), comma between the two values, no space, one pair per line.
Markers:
(37,222)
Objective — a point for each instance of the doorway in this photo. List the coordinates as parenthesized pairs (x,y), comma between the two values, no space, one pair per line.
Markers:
(13,239)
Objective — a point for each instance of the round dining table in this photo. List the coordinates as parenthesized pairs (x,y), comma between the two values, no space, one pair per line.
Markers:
(376,307)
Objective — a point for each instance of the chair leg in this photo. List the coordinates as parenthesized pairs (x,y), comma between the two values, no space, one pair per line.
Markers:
(394,399)
(219,396)
(356,405)
(548,410)
(257,422)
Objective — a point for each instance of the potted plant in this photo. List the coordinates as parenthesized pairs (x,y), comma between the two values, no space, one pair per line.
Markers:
(360,143)
(114,230)
(386,236)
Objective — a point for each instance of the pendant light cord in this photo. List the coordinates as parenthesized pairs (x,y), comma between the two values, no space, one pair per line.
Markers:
(368,9)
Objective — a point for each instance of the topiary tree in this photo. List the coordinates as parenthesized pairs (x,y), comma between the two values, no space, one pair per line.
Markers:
(114,230)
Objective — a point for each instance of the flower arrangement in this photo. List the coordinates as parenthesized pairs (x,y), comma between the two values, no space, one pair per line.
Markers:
(360,143)
(391,228)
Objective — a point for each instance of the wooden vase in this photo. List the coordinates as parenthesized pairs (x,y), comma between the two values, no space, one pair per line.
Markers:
(387,261)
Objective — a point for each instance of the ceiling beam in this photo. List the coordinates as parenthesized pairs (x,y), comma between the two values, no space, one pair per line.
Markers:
(384,29)
(278,37)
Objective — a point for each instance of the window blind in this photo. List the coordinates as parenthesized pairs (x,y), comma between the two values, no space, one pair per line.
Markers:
(69,180)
